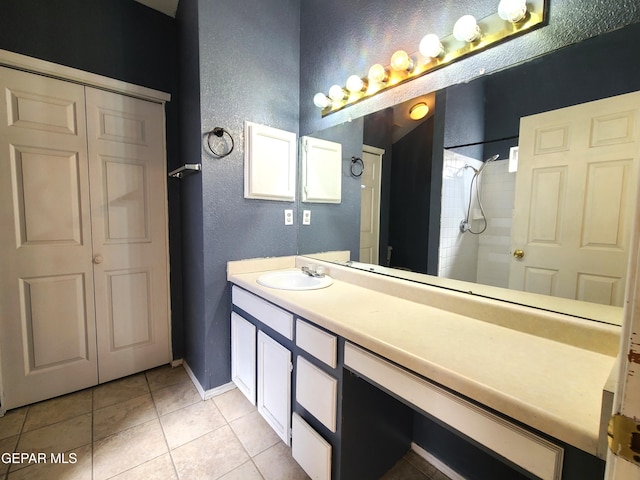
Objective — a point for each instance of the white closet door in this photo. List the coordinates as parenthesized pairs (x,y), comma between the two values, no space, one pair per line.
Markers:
(47,324)
(127,171)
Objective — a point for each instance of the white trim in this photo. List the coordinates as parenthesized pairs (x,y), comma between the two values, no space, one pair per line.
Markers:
(436,462)
(43,67)
(207,394)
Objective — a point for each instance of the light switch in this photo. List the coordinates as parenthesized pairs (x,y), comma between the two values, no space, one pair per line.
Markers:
(288,217)
(306,217)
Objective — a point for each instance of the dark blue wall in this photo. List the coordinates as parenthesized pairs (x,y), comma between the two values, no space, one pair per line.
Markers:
(120,39)
(191,186)
(248,61)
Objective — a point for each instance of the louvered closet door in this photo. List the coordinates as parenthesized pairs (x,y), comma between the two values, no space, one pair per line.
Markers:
(128,198)
(47,324)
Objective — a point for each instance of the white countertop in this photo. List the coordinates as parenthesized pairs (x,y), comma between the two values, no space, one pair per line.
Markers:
(551,386)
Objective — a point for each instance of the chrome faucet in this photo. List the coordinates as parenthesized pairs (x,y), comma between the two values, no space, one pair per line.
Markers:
(312,271)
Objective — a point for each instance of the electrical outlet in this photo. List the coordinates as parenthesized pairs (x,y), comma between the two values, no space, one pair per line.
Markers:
(288,217)
(306,217)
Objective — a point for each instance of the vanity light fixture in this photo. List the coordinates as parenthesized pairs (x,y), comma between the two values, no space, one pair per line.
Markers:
(470,36)
(418,111)
(337,93)
(378,74)
(355,84)
(467,29)
(402,62)
(513,11)
(431,46)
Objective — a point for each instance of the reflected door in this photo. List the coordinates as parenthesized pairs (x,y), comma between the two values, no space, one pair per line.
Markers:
(47,323)
(574,201)
(370,204)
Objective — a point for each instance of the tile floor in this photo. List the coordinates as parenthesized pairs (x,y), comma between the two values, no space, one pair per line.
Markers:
(154,425)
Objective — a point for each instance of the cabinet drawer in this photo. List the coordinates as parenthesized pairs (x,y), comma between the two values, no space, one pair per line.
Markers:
(270,315)
(318,343)
(310,450)
(317,392)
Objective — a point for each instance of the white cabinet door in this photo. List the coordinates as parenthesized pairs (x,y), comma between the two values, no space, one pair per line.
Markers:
(243,356)
(274,385)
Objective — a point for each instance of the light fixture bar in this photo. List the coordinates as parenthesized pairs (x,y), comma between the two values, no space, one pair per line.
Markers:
(494,30)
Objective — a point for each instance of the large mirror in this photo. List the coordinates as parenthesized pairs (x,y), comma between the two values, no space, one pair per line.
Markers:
(432,228)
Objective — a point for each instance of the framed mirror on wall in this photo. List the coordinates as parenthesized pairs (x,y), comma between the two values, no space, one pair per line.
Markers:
(429,167)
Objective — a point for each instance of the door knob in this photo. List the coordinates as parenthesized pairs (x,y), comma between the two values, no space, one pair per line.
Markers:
(518,253)
(97,259)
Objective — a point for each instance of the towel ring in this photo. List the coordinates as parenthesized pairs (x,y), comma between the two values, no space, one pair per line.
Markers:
(357,167)
(219,132)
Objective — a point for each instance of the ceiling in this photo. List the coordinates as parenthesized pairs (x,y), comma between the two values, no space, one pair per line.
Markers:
(168,7)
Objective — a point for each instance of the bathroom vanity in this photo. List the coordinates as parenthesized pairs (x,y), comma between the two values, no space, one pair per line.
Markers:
(355,374)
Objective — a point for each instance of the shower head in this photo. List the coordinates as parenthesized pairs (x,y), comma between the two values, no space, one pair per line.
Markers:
(490,159)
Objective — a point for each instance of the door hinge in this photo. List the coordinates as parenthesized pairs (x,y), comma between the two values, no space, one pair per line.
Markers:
(624,438)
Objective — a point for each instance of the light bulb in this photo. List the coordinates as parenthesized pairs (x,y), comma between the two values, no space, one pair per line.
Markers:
(430,46)
(336,93)
(320,100)
(378,74)
(401,61)
(512,10)
(355,84)
(466,29)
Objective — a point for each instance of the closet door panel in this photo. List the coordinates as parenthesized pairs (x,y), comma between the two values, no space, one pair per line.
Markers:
(47,322)
(128,198)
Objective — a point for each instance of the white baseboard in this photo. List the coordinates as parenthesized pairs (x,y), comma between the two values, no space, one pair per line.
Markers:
(205,394)
(436,462)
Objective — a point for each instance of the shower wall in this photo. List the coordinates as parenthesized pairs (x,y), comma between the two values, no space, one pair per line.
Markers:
(458,253)
(497,189)
(480,258)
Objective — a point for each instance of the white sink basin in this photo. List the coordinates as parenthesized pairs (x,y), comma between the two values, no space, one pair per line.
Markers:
(293,280)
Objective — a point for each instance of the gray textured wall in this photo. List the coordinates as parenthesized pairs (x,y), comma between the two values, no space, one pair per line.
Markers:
(343,38)
(249,70)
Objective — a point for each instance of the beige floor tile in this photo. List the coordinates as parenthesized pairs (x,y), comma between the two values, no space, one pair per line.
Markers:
(127,449)
(210,456)
(58,409)
(175,397)
(119,390)
(191,422)
(254,433)
(59,437)
(11,423)
(420,463)
(233,404)
(439,476)
(246,471)
(166,376)
(77,467)
(276,463)
(118,417)
(160,468)
(403,470)
(7,445)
